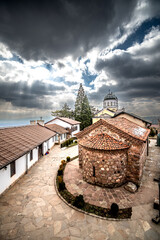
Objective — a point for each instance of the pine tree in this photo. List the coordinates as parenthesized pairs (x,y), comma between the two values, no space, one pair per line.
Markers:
(64,112)
(82,109)
(79,101)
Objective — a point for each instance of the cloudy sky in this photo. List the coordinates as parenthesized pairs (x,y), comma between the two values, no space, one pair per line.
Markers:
(47,48)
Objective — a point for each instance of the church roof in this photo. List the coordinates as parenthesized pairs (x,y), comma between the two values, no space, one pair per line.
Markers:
(109,96)
(133,115)
(122,125)
(103,142)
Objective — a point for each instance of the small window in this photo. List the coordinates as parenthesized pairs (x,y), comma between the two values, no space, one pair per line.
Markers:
(94,172)
(56,137)
(31,155)
(61,136)
(13,168)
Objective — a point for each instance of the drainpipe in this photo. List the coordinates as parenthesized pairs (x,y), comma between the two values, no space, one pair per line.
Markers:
(26,163)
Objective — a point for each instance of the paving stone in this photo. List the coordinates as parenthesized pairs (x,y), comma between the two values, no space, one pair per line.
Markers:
(32,210)
(57,227)
(75,232)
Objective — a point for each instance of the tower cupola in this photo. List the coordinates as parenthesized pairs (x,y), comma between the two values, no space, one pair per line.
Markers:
(110,101)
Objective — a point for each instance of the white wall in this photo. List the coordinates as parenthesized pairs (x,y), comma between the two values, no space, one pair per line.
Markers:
(35,157)
(47,145)
(20,167)
(60,123)
(78,129)
(65,125)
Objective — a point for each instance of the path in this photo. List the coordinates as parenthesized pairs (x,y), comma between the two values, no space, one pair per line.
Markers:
(32,210)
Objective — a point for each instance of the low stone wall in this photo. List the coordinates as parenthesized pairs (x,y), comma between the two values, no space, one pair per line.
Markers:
(103,168)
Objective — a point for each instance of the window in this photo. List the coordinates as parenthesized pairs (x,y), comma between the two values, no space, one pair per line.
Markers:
(61,136)
(31,155)
(13,168)
(94,172)
(56,138)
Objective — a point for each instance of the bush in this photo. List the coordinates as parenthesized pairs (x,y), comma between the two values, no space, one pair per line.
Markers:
(114,210)
(152,133)
(62,186)
(62,163)
(68,159)
(60,179)
(60,172)
(79,201)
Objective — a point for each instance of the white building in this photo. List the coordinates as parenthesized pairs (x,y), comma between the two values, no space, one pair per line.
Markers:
(20,148)
(71,125)
(61,132)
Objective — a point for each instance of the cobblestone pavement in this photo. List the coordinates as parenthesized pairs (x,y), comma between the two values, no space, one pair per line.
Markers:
(104,197)
(31,209)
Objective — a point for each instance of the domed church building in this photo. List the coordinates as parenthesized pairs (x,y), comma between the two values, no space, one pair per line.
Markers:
(110,107)
(110,102)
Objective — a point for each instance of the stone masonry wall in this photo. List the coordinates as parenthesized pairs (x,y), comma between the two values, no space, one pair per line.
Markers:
(135,159)
(103,168)
(135,165)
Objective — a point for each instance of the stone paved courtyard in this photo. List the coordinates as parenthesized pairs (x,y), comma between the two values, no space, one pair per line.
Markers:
(104,197)
(31,209)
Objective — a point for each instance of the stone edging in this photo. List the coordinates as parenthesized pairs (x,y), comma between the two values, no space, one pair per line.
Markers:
(82,211)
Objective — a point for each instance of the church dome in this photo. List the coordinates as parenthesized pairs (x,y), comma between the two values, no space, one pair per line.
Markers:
(110,101)
(109,96)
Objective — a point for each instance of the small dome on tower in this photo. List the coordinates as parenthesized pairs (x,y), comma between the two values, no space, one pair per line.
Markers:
(110,95)
(110,102)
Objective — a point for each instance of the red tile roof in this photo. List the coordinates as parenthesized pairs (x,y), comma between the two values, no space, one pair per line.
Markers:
(123,125)
(56,128)
(103,142)
(17,141)
(67,120)
(130,128)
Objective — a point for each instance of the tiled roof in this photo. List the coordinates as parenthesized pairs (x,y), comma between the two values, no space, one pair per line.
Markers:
(133,115)
(130,128)
(123,125)
(56,128)
(67,120)
(17,141)
(103,142)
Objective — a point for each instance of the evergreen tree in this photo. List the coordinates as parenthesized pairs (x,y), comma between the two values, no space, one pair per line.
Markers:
(79,100)
(82,109)
(64,112)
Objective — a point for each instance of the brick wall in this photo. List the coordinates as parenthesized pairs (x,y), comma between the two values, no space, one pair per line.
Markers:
(108,163)
(103,168)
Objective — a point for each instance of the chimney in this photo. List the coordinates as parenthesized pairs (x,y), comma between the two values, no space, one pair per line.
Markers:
(41,122)
(33,122)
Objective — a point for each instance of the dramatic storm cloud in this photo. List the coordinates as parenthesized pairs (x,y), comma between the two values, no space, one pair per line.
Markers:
(47,48)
